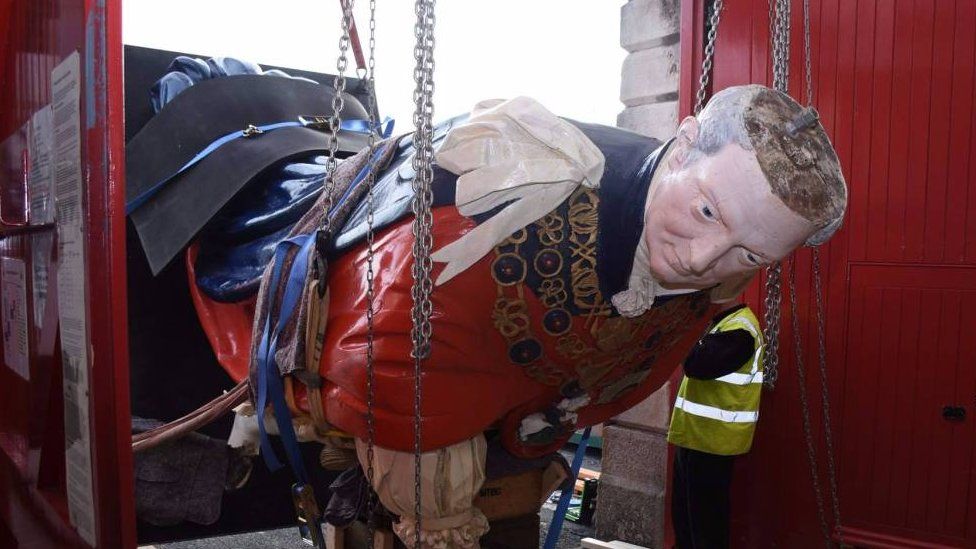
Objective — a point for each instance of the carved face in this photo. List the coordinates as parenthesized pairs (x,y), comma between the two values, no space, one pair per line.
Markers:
(714,219)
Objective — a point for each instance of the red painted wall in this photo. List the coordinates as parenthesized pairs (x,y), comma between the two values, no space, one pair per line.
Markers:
(894,85)
(35,35)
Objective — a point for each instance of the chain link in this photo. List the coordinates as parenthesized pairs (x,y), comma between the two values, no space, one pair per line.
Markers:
(370,276)
(781,45)
(771,318)
(805,405)
(779,22)
(780,31)
(423,221)
(822,352)
(807,52)
(706,72)
(335,121)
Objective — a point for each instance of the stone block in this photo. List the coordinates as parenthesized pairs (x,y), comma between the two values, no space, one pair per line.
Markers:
(632,486)
(654,412)
(658,120)
(650,76)
(648,23)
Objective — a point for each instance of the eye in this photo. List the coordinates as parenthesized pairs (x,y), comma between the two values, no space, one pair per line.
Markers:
(752,259)
(707,212)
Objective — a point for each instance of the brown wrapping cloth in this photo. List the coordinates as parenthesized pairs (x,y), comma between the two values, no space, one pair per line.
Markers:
(290,353)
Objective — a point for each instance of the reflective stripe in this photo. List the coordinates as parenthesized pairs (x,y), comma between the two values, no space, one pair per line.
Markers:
(737,320)
(755,359)
(741,379)
(747,324)
(712,412)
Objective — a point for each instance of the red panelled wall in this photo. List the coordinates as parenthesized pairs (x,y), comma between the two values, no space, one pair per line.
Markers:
(36,35)
(894,85)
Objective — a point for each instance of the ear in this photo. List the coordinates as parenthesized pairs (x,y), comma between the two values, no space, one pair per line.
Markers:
(685,138)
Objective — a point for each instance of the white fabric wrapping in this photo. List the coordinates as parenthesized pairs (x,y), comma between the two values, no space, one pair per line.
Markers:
(511,151)
(450,480)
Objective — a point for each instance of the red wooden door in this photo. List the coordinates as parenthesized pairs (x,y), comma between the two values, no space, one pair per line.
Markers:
(894,85)
(42,502)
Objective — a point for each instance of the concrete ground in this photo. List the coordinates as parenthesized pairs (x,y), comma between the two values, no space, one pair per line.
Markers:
(287,538)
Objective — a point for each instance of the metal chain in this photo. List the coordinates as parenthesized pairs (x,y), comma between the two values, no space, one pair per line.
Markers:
(335,121)
(779,22)
(706,72)
(807,52)
(781,45)
(804,404)
(818,293)
(771,318)
(370,275)
(423,220)
(822,348)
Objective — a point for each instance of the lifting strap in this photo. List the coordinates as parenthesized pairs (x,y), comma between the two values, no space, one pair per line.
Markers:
(559,515)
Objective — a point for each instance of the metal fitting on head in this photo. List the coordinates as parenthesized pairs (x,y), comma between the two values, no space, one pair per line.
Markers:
(807,118)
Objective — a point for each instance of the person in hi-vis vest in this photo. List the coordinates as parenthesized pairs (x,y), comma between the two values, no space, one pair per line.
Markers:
(714,418)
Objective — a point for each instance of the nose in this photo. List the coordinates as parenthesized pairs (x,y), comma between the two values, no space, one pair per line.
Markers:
(705,252)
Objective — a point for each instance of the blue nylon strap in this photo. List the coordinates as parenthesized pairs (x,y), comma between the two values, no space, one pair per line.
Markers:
(384,128)
(269,376)
(270,459)
(271,385)
(357,126)
(559,515)
(138,201)
(360,176)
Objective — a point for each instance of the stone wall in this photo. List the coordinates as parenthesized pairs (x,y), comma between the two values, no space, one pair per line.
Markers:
(634,470)
(649,83)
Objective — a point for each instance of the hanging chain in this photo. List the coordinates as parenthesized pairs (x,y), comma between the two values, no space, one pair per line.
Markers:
(781,45)
(807,52)
(335,121)
(771,318)
(818,293)
(370,275)
(822,355)
(779,22)
(706,72)
(804,404)
(423,96)
(781,77)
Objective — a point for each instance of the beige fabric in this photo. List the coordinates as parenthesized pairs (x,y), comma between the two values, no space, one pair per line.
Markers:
(513,152)
(450,480)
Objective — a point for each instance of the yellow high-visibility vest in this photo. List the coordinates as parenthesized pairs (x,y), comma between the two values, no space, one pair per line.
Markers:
(719,416)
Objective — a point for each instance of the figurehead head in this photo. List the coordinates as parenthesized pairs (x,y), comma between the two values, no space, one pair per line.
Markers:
(744,183)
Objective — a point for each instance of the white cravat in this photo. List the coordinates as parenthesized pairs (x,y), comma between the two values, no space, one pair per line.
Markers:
(641,288)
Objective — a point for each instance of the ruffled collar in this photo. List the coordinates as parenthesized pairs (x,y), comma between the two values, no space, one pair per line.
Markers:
(642,290)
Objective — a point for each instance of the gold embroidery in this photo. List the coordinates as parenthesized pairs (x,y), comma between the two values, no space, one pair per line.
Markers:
(614,334)
(550,229)
(553,292)
(511,317)
(571,345)
(583,218)
(617,344)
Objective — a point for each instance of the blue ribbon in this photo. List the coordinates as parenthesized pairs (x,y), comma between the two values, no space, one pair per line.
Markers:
(559,515)
(384,128)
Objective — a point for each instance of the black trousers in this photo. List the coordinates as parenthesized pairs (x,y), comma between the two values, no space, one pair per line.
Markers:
(700,499)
